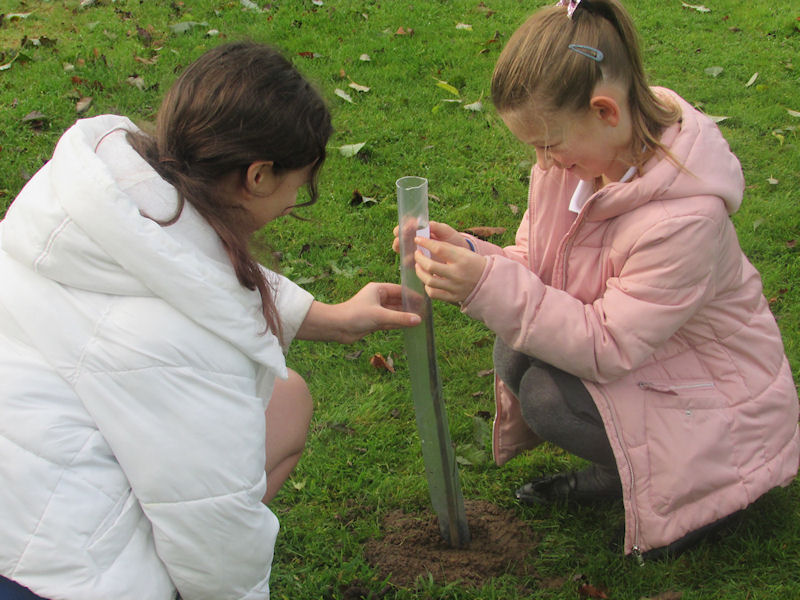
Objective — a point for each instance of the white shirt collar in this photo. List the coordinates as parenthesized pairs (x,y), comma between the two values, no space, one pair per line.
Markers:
(585,190)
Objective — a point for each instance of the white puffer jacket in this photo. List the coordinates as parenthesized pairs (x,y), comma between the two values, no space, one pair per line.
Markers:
(134,381)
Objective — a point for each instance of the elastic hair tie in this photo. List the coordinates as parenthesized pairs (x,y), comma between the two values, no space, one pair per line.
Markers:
(587,51)
(570,4)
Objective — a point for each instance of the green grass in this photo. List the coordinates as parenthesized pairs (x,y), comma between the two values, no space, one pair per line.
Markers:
(363,456)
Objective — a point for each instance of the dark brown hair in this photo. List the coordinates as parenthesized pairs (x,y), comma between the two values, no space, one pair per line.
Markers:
(236,104)
(537,70)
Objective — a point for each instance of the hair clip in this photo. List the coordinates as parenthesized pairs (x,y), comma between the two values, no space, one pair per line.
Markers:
(570,4)
(587,51)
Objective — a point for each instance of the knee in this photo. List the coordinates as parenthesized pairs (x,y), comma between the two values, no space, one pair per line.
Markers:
(540,402)
(301,400)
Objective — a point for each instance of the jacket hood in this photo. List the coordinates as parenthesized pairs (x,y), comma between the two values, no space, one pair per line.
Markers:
(74,224)
(691,142)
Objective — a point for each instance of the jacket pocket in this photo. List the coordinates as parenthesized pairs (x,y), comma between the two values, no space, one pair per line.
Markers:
(689,444)
(115,531)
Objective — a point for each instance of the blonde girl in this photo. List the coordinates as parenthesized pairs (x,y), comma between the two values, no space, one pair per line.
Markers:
(631,329)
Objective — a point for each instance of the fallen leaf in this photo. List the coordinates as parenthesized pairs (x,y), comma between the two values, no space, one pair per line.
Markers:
(364,58)
(343,95)
(16,16)
(447,87)
(402,31)
(718,119)
(714,71)
(317,2)
(513,208)
(698,8)
(379,362)
(299,485)
(587,590)
(358,199)
(249,5)
(136,81)
(357,87)
(349,150)
(485,372)
(146,61)
(35,120)
(464,26)
(791,243)
(309,55)
(475,106)
(758,223)
(186,26)
(484,9)
(485,232)
(354,355)
(469,455)
(83,105)
(752,80)
(772,181)
(793,113)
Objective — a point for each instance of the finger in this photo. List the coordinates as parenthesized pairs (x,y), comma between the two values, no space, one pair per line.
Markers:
(439,250)
(392,319)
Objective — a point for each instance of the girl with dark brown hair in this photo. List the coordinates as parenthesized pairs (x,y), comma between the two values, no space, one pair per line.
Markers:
(146,412)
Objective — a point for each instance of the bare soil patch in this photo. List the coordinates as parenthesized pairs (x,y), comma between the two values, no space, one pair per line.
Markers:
(412,547)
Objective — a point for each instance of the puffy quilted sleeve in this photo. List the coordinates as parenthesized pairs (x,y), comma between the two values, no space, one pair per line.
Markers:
(518,252)
(178,408)
(292,302)
(667,275)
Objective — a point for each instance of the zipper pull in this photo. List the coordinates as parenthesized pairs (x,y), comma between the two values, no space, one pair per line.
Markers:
(637,554)
(657,387)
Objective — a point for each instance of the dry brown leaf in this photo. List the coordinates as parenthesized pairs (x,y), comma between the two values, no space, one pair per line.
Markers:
(382,364)
(83,105)
(485,232)
(587,590)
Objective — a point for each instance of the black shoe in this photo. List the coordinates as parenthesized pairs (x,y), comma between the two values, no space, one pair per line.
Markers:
(587,486)
(690,540)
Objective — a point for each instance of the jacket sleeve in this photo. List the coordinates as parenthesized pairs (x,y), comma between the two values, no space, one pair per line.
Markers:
(518,252)
(181,415)
(666,277)
(292,302)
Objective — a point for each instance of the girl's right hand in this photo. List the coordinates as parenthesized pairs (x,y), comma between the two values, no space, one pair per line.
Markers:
(441,232)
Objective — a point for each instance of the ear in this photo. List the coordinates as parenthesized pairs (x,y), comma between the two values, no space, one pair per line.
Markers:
(260,178)
(606,109)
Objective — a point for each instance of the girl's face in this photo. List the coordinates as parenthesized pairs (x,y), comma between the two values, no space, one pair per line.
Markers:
(275,194)
(586,144)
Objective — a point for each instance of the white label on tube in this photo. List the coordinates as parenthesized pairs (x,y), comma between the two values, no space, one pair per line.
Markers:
(424,232)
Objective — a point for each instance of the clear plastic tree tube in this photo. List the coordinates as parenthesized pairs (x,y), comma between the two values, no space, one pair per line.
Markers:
(441,468)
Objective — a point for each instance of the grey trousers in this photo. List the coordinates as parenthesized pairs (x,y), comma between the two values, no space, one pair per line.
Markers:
(555,405)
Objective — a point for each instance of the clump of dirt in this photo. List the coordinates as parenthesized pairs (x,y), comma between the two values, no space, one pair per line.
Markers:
(412,547)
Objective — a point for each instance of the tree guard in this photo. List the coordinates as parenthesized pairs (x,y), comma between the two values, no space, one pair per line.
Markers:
(441,469)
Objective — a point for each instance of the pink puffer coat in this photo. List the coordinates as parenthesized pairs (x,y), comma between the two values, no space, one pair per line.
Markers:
(648,298)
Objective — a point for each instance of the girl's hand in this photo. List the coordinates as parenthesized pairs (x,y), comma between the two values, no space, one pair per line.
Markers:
(451,272)
(375,306)
(439,231)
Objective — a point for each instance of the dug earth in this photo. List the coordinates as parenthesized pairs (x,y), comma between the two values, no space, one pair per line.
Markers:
(413,547)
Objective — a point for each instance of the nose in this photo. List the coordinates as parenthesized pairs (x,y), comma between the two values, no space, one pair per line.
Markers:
(544,159)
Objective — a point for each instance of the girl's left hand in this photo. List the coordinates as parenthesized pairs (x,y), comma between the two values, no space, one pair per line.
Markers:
(451,272)
(375,306)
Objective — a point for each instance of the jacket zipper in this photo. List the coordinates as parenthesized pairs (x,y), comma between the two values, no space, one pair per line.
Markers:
(637,553)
